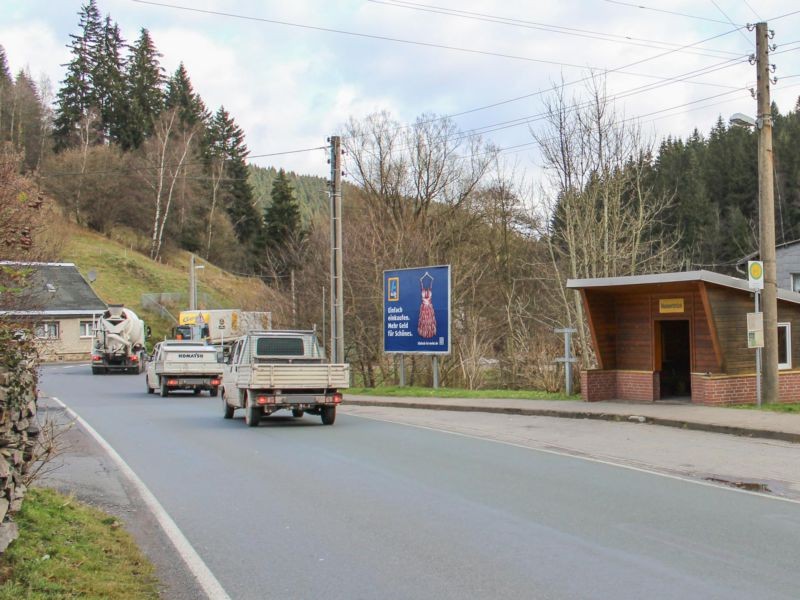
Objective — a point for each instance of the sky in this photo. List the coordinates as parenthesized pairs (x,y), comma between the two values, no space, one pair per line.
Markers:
(292,84)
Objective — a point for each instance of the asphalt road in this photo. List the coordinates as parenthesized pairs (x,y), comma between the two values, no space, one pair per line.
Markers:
(369,509)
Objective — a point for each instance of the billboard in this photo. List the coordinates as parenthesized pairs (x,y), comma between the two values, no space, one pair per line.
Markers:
(416,310)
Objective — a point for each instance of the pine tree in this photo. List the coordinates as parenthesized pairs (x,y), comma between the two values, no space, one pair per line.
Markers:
(6,86)
(282,230)
(109,82)
(180,94)
(27,116)
(282,216)
(145,79)
(226,142)
(76,97)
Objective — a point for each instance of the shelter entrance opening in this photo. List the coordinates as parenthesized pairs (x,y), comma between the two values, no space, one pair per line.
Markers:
(674,350)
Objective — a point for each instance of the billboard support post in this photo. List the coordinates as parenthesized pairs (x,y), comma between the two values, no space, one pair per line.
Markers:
(401,370)
(435,372)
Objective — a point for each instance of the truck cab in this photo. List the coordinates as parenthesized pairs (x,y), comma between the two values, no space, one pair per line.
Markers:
(267,371)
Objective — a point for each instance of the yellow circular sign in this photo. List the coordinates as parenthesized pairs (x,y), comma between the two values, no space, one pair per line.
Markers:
(756,270)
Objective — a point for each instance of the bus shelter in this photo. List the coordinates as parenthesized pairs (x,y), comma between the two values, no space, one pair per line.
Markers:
(681,337)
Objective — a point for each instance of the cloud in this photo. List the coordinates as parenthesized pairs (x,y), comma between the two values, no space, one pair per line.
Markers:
(291,87)
(35,45)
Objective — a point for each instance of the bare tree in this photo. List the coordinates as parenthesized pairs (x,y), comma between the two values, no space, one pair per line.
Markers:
(604,219)
(404,169)
(217,168)
(164,157)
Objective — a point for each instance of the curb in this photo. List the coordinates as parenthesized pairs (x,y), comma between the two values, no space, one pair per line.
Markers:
(783,436)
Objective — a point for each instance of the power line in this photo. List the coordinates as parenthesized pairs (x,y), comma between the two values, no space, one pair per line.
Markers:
(619,69)
(390,38)
(179,165)
(528,119)
(753,10)
(724,14)
(519,147)
(589,77)
(668,12)
(572,31)
(563,85)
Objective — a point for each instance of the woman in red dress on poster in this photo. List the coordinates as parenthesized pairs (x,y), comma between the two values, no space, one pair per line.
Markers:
(426,326)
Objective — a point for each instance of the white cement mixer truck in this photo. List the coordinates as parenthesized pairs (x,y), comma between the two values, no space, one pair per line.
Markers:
(118,342)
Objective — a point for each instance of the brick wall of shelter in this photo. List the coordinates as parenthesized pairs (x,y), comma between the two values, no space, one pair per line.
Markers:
(637,386)
(598,385)
(740,389)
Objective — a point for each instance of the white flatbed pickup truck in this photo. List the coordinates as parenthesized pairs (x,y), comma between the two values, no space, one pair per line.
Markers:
(183,365)
(267,371)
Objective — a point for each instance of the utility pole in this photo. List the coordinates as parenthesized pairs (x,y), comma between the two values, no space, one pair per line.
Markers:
(192,288)
(337,284)
(294,301)
(766,205)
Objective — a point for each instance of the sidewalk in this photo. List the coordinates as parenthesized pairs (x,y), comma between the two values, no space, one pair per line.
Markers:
(734,421)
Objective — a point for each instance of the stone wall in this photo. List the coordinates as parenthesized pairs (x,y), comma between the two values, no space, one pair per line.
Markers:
(18,433)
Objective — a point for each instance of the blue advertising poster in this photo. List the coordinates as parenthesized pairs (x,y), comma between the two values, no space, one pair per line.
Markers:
(416,310)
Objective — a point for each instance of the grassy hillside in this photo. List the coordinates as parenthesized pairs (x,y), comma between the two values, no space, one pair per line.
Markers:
(124,274)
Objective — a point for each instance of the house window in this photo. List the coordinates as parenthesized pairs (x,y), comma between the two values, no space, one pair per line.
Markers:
(784,345)
(86,329)
(47,331)
(796,282)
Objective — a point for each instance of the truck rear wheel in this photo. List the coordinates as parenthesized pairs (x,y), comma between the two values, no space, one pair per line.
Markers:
(98,370)
(296,413)
(226,408)
(164,388)
(328,415)
(147,385)
(214,391)
(252,413)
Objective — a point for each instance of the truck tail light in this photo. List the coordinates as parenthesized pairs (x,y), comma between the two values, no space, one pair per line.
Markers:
(134,358)
(261,400)
(215,382)
(96,358)
(172,382)
(336,398)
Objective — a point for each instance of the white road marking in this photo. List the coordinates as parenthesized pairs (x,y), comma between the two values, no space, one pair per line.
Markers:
(204,576)
(586,458)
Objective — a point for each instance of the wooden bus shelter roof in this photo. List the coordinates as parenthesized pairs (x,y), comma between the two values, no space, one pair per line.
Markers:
(669,280)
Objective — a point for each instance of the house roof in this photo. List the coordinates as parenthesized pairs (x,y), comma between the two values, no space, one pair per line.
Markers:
(676,277)
(754,255)
(59,289)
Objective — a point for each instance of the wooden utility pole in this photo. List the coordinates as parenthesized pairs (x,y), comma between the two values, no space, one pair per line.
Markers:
(766,205)
(337,284)
(294,300)
(766,202)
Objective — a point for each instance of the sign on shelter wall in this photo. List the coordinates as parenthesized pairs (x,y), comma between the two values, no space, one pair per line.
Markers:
(416,310)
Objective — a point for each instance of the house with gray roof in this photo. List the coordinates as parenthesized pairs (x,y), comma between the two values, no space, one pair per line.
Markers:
(63,306)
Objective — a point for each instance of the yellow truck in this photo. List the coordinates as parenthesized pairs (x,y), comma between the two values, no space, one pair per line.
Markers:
(219,325)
